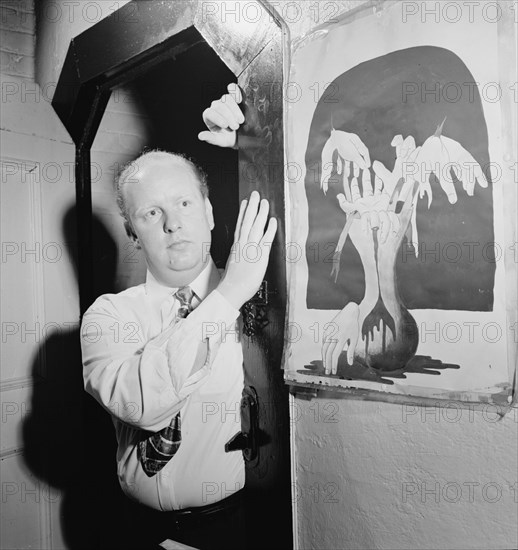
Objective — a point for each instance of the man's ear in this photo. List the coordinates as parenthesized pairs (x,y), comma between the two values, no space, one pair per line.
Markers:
(208,212)
(131,234)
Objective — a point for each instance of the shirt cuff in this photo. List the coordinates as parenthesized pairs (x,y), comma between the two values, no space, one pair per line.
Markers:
(214,317)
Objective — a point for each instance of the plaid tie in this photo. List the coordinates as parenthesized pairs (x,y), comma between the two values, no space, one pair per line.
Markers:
(158,449)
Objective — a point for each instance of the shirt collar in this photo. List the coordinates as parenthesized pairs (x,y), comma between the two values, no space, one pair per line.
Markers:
(202,286)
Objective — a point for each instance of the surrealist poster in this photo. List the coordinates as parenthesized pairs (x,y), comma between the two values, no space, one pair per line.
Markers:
(401,194)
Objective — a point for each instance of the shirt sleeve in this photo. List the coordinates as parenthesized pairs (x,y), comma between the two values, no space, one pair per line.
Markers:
(146,385)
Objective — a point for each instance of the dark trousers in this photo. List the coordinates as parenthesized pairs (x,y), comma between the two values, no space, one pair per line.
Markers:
(215,527)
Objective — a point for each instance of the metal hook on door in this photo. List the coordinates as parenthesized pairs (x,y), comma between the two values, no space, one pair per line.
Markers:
(247,439)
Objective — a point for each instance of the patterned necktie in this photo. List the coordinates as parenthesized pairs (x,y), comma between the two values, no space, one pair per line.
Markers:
(158,449)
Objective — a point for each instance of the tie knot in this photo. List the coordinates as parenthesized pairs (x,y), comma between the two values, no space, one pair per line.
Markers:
(185,296)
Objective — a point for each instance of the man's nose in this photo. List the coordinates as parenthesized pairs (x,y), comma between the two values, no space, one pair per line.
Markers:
(171,223)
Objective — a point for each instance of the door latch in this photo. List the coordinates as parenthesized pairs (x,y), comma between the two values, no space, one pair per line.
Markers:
(254,311)
(246,439)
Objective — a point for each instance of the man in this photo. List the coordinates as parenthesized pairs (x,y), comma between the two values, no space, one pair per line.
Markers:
(183,359)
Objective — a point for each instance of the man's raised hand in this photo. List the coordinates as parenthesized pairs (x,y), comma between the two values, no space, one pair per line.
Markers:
(250,252)
(223,118)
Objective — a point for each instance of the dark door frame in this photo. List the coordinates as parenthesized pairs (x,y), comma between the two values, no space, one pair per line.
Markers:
(119,49)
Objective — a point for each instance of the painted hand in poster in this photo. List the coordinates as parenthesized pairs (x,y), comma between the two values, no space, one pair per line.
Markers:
(349,148)
(379,332)
(441,155)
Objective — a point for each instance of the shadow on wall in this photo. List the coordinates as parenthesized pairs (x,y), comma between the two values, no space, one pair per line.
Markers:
(69,440)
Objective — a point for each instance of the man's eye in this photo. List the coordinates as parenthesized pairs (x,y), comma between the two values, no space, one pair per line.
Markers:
(153,213)
(185,203)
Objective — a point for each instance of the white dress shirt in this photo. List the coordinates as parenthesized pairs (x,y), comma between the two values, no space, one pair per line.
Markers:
(143,365)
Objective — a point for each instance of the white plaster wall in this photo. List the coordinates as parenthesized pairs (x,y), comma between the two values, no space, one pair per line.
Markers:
(378,475)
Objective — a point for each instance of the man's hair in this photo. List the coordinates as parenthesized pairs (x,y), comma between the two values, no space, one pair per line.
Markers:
(128,171)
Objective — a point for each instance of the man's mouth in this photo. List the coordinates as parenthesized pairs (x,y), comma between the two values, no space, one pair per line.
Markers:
(178,245)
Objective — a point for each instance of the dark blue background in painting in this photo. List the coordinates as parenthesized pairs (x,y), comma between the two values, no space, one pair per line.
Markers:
(369,101)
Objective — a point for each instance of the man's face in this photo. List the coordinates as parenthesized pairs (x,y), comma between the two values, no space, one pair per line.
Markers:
(171,219)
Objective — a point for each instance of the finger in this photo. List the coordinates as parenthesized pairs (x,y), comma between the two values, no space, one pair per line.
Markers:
(222,138)
(425,188)
(378,185)
(347,172)
(356,158)
(462,176)
(334,358)
(410,167)
(446,182)
(367,183)
(356,170)
(327,153)
(216,117)
(408,204)
(269,234)
(396,142)
(240,216)
(406,188)
(266,242)
(362,150)
(343,236)
(327,170)
(229,101)
(467,177)
(367,157)
(407,146)
(224,112)
(415,235)
(384,174)
(326,164)
(395,225)
(326,344)
(347,169)
(472,172)
(479,174)
(395,202)
(249,217)
(259,223)
(381,171)
(348,149)
(365,222)
(350,353)
(329,355)
(345,205)
(235,91)
(384,230)
(355,190)
(324,185)
(339,164)
(325,350)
